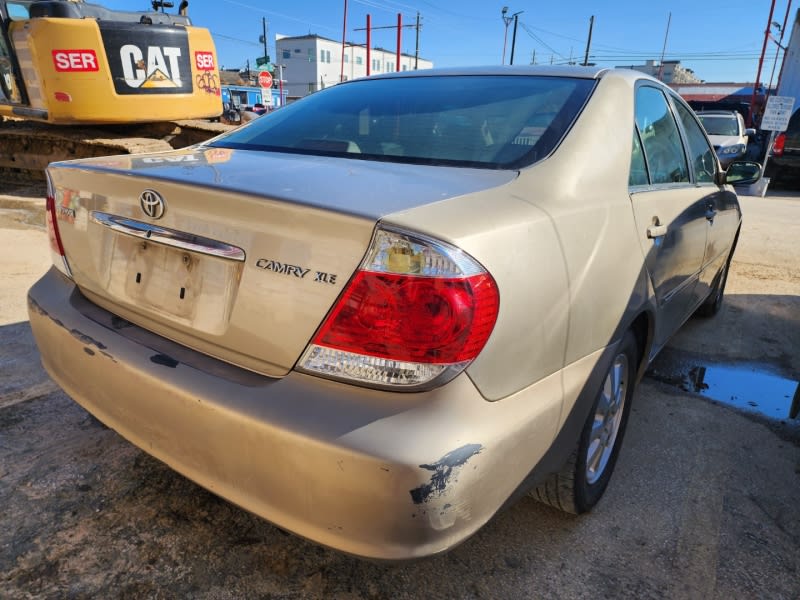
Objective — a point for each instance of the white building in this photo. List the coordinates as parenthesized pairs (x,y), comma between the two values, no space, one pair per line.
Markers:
(670,71)
(311,62)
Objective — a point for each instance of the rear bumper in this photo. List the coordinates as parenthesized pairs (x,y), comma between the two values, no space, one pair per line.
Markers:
(372,473)
(786,161)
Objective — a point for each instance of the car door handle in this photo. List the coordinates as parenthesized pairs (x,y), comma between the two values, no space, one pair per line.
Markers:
(656,231)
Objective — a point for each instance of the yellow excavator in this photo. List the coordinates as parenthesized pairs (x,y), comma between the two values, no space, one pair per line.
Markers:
(78,80)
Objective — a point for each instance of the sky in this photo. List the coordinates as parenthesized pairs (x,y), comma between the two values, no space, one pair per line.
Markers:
(720,41)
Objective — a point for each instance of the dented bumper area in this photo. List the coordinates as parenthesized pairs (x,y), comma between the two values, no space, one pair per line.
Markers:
(376,474)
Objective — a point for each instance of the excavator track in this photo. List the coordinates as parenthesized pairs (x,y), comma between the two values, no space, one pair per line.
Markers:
(26,148)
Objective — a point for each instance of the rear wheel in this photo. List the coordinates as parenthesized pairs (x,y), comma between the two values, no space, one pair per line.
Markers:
(712,305)
(583,479)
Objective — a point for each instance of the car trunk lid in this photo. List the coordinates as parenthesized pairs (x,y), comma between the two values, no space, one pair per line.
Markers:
(249,254)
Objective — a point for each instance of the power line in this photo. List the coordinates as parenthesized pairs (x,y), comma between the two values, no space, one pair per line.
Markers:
(277,14)
(233,39)
(373,4)
(452,13)
(540,40)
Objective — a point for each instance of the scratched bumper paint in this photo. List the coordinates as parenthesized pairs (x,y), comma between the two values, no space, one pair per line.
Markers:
(407,476)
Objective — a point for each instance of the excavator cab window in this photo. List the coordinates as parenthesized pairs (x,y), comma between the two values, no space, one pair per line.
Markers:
(9,91)
(17,11)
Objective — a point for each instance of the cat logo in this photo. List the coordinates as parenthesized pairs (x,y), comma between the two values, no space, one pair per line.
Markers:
(153,61)
(155,67)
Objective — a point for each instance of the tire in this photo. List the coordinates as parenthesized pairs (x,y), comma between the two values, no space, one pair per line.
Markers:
(580,483)
(712,305)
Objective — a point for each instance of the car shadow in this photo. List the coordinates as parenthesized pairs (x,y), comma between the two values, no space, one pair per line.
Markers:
(91,512)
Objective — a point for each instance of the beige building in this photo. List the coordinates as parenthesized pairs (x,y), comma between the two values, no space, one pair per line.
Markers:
(312,62)
(669,71)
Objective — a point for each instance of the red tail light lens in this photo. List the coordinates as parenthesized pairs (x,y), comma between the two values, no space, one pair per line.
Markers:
(416,313)
(777,147)
(417,319)
(56,247)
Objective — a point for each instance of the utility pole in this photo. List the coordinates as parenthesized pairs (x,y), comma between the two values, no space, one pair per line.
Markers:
(533,57)
(344,40)
(280,84)
(507,22)
(514,36)
(399,27)
(779,48)
(264,37)
(760,64)
(588,42)
(399,38)
(416,50)
(664,49)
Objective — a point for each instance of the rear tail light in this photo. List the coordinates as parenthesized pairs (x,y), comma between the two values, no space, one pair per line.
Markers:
(414,315)
(51,218)
(777,147)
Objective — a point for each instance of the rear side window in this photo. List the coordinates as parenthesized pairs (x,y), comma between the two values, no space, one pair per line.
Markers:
(666,161)
(638,174)
(700,153)
(482,121)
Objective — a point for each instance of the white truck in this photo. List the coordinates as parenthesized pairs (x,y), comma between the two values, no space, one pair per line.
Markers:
(783,164)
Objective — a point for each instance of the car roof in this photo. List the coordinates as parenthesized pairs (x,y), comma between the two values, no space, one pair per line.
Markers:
(542,70)
(581,72)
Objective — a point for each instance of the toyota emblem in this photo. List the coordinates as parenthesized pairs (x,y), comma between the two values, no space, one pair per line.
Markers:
(152,204)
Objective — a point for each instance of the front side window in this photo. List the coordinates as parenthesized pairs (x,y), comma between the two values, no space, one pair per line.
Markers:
(663,148)
(700,153)
(513,122)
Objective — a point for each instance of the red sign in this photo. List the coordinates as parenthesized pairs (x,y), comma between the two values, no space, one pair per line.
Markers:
(75,60)
(265,79)
(204,61)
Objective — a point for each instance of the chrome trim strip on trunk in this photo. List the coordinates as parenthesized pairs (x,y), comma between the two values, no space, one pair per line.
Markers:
(168,237)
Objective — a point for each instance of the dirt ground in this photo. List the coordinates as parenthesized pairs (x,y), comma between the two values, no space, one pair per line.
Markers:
(704,503)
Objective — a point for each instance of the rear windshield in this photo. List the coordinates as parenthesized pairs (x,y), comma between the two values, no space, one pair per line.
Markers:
(492,122)
(720,125)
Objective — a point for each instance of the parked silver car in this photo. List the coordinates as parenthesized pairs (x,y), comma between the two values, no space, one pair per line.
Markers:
(728,135)
(380,314)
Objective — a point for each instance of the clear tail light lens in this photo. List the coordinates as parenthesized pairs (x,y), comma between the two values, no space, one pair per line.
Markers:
(414,315)
(51,220)
(777,147)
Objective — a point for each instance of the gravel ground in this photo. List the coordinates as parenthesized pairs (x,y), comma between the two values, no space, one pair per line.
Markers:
(703,504)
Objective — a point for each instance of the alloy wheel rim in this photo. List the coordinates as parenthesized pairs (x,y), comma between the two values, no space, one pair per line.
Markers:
(607,419)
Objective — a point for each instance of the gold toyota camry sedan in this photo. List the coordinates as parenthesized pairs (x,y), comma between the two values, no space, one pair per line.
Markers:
(380,314)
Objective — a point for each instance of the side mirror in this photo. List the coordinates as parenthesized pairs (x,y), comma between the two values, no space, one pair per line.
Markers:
(743,173)
(749,132)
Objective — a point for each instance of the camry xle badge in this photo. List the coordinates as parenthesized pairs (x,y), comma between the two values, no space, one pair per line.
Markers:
(300,272)
(152,204)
